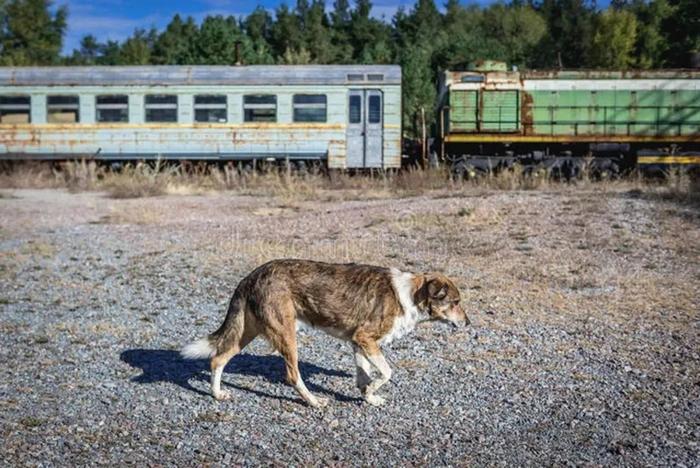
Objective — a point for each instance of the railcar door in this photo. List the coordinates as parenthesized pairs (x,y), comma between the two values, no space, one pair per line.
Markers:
(373,128)
(365,128)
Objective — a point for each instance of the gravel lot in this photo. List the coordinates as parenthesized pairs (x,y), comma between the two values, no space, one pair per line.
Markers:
(584,346)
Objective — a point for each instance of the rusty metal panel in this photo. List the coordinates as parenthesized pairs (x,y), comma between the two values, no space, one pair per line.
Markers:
(171,142)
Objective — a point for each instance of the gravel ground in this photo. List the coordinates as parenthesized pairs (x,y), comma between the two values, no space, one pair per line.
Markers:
(583,349)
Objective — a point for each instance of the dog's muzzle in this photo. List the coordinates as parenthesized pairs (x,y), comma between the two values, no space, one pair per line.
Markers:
(458,318)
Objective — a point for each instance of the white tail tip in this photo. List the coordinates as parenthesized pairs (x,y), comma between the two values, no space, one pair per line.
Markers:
(198,349)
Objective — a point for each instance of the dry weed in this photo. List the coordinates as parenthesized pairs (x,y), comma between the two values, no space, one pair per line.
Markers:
(28,175)
(145,180)
(140,215)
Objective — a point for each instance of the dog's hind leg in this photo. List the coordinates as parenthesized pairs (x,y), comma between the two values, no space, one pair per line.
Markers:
(229,345)
(288,349)
(282,336)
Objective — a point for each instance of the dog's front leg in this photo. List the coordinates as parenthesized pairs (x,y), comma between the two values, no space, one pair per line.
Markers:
(363,369)
(378,361)
(369,353)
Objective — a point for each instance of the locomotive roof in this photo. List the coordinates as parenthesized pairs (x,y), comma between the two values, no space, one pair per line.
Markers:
(667,74)
(200,75)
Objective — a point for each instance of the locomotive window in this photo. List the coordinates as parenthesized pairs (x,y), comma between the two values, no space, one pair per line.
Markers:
(260,108)
(15,109)
(375,109)
(62,109)
(112,108)
(161,108)
(210,108)
(310,108)
(355,109)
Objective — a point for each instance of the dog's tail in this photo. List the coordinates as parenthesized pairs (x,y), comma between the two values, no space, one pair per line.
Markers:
(228,334)
(202,348)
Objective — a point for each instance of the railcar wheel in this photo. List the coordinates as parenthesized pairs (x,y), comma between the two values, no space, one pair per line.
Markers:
(463,171)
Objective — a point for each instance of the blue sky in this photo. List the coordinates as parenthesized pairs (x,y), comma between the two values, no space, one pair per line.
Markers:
(116,19)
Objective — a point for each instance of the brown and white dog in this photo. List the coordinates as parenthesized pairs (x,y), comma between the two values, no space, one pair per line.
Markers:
(365,305)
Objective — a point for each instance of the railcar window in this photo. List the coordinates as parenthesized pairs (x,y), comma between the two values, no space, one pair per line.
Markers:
(63,109)
(210,108)
(310,108)
(15,109)
(161,108)
(375,109)
(355,109)
(260,108)
(356,77)
(112,108)
(375,77)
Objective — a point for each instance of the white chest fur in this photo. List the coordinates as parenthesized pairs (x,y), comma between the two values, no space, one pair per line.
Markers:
(405,323)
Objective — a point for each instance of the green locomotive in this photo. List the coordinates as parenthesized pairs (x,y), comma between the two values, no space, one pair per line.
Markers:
(490,118)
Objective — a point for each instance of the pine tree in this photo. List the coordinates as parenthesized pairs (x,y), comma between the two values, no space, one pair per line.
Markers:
(137,49)
(286,33)
(175,45)
(215,43)
(258,29)
(30,34)
(613,40)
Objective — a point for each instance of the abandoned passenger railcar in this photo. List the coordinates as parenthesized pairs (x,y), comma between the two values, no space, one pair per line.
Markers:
(346,116)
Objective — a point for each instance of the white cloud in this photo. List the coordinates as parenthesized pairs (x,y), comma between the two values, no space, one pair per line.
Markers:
(105,27)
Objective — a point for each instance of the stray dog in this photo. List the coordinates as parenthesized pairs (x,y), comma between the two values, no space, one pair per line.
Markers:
(365,305)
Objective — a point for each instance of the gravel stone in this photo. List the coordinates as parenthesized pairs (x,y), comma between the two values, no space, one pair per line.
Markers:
(583,349)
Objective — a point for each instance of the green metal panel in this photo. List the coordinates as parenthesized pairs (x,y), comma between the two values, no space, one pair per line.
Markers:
(500,111)
(463,110)
(615,112)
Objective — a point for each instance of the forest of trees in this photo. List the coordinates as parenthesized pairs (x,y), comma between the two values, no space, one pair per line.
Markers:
(423,39)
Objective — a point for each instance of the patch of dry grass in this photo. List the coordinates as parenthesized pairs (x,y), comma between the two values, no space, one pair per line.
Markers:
(677,186)
(153,179)
(140,215)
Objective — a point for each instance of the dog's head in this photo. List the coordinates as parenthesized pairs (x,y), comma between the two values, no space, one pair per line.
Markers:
(439,296)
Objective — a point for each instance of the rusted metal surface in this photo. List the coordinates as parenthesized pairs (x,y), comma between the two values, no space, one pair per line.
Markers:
(610,74)
(198,75)
(593,138)
(583,105)
(178,141)
(526,117)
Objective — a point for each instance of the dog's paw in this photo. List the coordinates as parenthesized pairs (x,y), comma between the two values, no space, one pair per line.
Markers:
(320,402)
(222,395)
(375,400)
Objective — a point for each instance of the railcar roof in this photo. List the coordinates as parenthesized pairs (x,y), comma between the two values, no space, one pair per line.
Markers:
(200,75)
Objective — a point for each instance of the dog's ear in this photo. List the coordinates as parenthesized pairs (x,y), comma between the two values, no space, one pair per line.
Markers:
(437,289)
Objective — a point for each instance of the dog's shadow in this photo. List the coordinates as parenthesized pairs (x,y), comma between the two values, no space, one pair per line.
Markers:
(162,365)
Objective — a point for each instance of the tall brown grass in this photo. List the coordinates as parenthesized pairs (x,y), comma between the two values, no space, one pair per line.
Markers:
(154,179)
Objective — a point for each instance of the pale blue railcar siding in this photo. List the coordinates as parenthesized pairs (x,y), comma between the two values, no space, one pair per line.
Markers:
(200,139)
(87,108)
(176,140)
(185,112)
(137,112)
(392,127)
